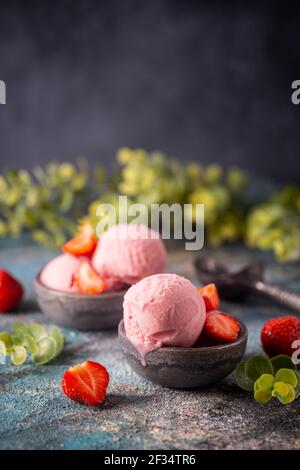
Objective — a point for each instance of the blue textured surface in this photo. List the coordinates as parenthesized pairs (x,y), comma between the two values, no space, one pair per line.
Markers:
(136,415)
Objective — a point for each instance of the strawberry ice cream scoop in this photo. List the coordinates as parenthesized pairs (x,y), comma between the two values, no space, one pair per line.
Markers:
(58,273)
(163,310)
(125,254)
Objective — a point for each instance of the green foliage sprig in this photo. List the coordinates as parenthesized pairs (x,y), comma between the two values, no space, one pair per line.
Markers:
(45,202)
(275,225)
(32,338)
(267,379)
(152,178)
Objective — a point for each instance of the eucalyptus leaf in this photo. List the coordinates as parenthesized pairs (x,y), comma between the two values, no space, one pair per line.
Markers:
(280,389)
(3,350)
(17,339)
(297,388)
(242,379)
(285,393)
(58,337)
(67,199)
(33,338)
(18,327)
(18,355)
(265,382)
(263,396)
(287,376)
(30,344)
(282,361)
(44,200)
(6,338)
(46,351)
(257,366)
(38,331)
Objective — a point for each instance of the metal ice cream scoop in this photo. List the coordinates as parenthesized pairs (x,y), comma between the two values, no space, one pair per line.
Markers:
(235,285)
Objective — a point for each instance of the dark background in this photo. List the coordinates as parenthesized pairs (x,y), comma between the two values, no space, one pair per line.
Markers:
(207,81)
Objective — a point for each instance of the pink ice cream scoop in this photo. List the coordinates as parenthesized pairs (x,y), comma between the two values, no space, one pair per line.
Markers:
(125,254)
(163,310)
(58,273)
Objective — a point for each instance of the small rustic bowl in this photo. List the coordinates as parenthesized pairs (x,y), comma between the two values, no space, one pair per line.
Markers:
(84,312)
(186,367)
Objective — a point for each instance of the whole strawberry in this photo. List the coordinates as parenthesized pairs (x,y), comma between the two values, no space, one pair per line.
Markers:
(278,335)
(11,292)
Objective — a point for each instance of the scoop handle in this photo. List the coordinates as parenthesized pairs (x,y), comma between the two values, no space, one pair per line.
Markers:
(283,296)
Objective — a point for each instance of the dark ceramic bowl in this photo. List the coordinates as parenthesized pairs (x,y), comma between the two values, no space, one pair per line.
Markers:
(84,312)
(186,367)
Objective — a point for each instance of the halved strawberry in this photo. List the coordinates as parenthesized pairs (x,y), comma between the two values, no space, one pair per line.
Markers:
(210,296)
(87,281)
(11,292)
(83,244)
(86,383)
(221,327)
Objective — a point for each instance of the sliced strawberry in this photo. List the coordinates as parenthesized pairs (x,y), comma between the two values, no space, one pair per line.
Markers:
(87,281)
(11,292)
(83,244)
(210,296)
(86,383)
(221,327)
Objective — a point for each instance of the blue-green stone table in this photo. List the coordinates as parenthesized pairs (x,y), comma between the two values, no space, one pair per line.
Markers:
(136,415)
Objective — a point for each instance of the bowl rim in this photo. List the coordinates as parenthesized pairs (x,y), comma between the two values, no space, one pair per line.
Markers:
(243,336)
(77,295)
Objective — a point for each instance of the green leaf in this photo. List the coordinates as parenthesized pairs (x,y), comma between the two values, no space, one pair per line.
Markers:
(285,393)
(38,331)
(7,339)
(265,382)
(19,328)
(46,351)
(297,388)
(17,340)
(30,344)
(67,199)
(257,366)
(58,337)
(3,350)
(33,338)
(242,379)
(281,389)
(263,396)
(282,362)
(22,336)
(287,376)
(18,355)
